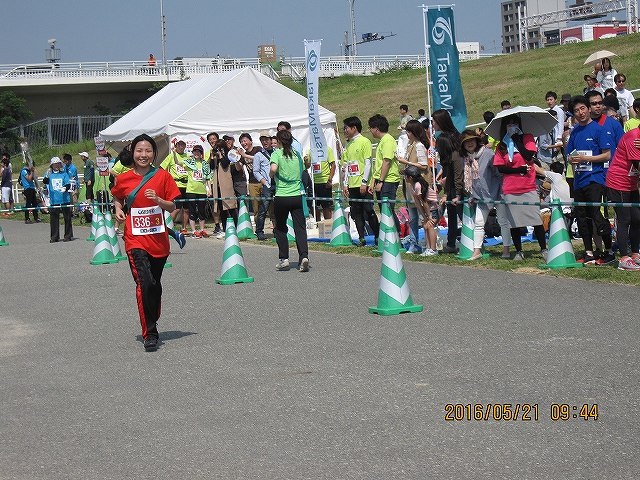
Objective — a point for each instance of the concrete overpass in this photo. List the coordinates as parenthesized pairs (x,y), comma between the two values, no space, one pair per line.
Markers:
(76,89)
(70,89)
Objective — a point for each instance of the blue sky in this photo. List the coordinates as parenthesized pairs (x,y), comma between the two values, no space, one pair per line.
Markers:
(90,30)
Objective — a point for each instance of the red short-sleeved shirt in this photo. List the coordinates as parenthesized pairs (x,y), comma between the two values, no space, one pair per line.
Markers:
(516,183)
(157,245)
(620,175)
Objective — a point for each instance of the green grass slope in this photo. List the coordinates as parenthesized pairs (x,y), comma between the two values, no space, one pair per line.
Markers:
(522,78)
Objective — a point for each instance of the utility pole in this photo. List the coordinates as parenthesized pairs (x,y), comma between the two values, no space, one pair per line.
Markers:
(354,43)
(164,35)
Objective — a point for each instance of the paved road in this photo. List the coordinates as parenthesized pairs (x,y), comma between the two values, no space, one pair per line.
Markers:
(290,377)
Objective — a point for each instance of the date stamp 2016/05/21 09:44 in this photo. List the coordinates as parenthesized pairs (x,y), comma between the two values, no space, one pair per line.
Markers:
(526,412)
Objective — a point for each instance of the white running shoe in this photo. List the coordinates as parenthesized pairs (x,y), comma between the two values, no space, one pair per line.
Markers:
(304,265)
(628,264)
(283,264)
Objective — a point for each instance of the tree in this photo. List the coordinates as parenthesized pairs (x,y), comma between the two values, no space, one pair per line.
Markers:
(12,112)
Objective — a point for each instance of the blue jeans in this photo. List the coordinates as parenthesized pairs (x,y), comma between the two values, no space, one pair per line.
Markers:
(266,197)
(389,190)
(413,225)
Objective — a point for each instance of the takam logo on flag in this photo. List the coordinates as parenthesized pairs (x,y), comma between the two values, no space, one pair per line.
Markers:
(445,66)
(317,140)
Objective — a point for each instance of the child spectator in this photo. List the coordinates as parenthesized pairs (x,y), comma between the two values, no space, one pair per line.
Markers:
(426,202)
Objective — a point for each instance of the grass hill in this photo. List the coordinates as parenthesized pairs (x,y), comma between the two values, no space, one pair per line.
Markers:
(522,78)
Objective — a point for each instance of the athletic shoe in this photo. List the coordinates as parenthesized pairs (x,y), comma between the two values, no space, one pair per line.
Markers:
(448,249)
(179,237)
(545,254)
(628,264)
(413,250)
(220,235)
(362,242)
(304,265)
(283,264)
(518,257)
(150,343)
(606,259)
(37,220)
(28,222)
(205,234)
(217,230)
(196,234)
(5,214)
(184,231)
(636,259)
(428,252)
(118,231)
(587,258)
(262,237)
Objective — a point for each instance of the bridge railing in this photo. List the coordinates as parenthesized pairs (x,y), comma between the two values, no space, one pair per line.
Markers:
(180,68)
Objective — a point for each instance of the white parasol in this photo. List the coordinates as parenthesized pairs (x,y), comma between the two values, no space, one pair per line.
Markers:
(535,120)
(599,55)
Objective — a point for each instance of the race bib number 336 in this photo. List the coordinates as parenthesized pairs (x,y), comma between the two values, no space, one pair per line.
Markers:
(147,221)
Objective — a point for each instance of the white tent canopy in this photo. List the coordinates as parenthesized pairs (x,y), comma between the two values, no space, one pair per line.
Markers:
(228,103)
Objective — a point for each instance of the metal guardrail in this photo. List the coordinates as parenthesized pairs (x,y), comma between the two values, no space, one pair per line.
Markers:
(13,74)
(53,131)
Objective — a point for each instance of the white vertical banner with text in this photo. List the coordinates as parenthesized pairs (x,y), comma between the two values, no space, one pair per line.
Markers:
(317,140)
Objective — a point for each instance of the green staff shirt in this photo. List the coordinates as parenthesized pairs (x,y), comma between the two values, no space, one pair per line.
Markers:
(387,149)
(353,158)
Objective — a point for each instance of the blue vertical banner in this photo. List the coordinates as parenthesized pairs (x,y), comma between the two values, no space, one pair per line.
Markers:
(317,140)
(445,64)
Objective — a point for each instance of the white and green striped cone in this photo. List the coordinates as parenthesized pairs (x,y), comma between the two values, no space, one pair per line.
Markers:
(3,242)
(467,233)
(561,253)
(245,229)
(339,233)
(384,228)
(168,221)
(233,268)
(291,233)
(102,253)
(94,223)
(113,238)
(394,296)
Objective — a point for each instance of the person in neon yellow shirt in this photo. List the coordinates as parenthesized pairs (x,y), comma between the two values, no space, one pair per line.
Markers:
(323,180)
(356,162)
(198,188)
(386,164)
(172,164)
(124,163)
(634,121)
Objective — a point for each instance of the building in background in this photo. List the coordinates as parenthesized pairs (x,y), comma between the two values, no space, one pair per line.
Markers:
(468,51)
(584,33)
(529,24)
(513,11)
